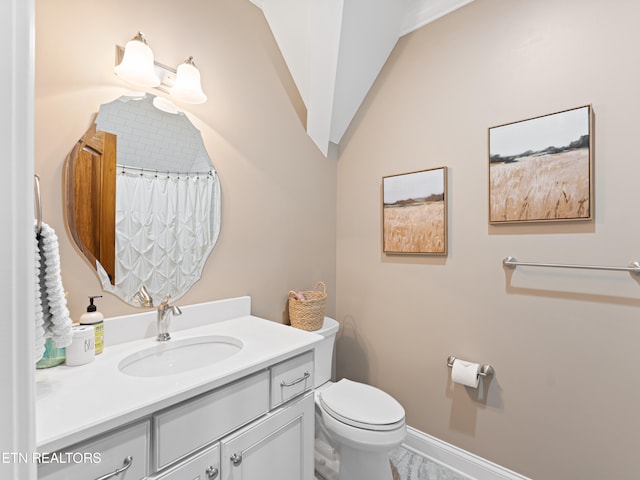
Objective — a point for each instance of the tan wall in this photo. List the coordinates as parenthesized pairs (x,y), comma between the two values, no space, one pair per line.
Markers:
(562,342)
(278,192)
(564,401)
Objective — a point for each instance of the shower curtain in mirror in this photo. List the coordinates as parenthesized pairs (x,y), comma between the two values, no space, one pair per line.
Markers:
(164,229)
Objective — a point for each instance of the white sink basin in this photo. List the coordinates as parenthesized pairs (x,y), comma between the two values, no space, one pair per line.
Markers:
(168,358)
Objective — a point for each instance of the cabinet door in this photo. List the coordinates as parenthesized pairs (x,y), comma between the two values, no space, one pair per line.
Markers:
(91,197)
(125,451)
(279,446)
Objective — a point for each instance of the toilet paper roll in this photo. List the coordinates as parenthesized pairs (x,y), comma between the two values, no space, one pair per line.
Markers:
(465,373)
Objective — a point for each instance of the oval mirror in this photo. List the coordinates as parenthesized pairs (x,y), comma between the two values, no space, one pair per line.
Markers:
(143,198)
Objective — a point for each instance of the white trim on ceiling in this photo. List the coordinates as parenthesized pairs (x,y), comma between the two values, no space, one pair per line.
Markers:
(335,49)
(422,12)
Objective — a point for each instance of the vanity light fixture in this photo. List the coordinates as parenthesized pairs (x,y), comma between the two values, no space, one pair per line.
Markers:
(137,66)
(188,88)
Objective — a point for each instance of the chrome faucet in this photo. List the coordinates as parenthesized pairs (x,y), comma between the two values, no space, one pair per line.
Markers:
(164,316)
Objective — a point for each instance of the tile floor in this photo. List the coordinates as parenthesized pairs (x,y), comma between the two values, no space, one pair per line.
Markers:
(407,465)
(411,466)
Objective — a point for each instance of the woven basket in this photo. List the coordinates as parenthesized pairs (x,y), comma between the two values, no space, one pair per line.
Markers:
(308,314)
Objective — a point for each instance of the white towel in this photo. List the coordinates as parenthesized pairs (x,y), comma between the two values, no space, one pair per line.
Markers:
(57,322)
(39,332)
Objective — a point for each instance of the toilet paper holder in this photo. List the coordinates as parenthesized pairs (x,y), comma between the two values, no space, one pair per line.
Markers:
(485,370)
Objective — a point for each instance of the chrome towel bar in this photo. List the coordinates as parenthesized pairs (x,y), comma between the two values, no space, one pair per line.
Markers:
(633,268)
(485,370)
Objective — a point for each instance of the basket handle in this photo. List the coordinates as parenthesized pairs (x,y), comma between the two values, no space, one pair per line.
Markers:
(324,287)
(293,295)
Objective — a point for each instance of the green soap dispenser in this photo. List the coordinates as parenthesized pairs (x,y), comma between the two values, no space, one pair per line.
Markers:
(95,318)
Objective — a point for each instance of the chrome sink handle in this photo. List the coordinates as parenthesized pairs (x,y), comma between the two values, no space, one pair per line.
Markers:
(165,309)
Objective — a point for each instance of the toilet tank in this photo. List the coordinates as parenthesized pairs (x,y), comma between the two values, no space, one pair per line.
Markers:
(324,351)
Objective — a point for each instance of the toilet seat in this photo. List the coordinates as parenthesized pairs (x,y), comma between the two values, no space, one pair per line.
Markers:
(362,406)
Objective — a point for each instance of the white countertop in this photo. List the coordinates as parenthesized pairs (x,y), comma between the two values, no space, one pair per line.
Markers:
(75,403)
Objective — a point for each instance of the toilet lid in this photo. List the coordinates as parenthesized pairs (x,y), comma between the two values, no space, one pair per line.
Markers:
(362,406)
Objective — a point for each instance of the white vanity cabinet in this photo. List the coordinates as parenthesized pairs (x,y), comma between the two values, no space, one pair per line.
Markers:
(277,444)
(258,427)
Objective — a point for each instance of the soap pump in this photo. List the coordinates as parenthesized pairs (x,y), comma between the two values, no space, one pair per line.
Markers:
(95,318)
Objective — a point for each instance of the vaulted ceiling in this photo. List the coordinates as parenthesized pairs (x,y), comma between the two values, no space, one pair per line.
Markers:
(334,50)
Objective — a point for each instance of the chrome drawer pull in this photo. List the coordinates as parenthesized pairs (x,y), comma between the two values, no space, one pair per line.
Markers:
(291,384)
(212,472)
(125,466)
(236,459)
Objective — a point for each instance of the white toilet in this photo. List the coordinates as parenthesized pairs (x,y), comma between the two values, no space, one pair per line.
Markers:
(357,425)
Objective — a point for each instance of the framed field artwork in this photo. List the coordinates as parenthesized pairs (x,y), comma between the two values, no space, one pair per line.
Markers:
(540,169)
(414,212)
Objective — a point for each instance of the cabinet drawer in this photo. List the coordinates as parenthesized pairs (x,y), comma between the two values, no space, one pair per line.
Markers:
(203,466)
(195,423)
(291,378)
(104,455)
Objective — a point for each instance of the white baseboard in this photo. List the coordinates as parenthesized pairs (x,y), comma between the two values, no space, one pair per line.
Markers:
(462,462)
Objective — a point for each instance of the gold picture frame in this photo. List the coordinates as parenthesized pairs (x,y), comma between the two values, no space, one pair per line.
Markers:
(540,169)
(414,212)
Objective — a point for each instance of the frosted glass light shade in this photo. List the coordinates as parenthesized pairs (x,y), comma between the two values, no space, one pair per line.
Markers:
(137,64)
(188,88)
